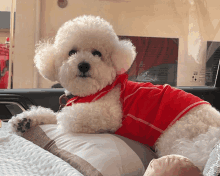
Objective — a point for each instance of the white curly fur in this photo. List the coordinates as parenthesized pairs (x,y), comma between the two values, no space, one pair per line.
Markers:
(101,74)
(104,114)
(193,136)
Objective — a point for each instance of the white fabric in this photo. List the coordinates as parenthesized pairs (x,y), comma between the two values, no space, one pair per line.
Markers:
(212,167)
(19,157)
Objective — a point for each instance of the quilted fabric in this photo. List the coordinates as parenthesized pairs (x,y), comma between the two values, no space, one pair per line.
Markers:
(212,167)
(23,158)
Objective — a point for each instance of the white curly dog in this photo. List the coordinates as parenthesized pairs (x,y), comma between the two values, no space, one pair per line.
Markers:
(87,57)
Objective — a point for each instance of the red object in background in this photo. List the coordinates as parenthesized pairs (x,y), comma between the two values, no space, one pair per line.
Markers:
(151,52)
(7,40)
(4,65)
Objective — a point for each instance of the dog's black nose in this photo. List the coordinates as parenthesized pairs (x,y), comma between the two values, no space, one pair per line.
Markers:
(84,67)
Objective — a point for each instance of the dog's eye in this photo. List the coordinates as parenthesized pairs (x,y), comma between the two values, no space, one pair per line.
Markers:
(96,53)
(72,52)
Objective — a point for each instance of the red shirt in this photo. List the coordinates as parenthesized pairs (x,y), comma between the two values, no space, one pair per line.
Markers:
(147,109)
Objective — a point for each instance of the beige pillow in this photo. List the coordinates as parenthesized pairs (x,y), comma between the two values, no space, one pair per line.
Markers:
(171,165)
(94,154)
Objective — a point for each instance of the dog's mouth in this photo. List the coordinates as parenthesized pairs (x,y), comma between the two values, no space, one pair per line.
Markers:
(84,75)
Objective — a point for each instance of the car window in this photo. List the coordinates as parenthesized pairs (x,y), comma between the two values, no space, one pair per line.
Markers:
(177,41)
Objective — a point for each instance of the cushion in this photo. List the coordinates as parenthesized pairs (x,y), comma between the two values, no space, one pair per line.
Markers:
(94,154)
(172,165)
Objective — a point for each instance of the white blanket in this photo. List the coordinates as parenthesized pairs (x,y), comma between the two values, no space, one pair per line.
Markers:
(20,157)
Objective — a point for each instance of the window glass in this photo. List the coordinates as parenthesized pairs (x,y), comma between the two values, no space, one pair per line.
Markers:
(156,60)
(8,110)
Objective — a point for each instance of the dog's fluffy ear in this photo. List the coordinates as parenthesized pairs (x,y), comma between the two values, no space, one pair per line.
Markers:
(123,56)
(44,60)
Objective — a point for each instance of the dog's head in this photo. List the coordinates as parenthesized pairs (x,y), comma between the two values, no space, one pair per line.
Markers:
(85,57)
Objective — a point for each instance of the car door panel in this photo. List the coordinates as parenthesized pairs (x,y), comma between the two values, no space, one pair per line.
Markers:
(49,98)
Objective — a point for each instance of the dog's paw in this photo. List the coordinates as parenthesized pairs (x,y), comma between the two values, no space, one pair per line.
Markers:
(23,125)
(33,117)
(20,125)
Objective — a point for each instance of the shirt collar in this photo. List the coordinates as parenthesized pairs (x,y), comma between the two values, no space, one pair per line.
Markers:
(122,79)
